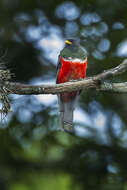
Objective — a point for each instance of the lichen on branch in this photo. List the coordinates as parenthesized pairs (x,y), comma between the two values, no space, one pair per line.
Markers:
(5,76)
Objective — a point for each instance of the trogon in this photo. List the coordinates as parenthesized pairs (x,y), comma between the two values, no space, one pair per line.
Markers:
(72,65)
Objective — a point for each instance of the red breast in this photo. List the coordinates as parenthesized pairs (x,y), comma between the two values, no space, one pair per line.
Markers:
(72,70)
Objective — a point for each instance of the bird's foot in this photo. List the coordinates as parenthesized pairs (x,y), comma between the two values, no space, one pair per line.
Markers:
(72,80)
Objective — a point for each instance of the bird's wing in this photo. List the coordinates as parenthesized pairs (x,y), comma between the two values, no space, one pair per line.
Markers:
(58,69)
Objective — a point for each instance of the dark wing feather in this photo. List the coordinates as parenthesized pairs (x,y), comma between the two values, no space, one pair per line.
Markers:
(58,69)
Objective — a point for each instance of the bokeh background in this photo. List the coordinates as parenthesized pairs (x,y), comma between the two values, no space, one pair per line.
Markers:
(33,153)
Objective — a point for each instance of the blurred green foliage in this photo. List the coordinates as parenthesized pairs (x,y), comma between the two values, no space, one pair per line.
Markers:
(33,153)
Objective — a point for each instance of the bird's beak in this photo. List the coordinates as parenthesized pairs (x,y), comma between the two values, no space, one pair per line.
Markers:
(68,42)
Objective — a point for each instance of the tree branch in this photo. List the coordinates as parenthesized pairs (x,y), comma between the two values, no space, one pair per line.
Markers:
(96,82)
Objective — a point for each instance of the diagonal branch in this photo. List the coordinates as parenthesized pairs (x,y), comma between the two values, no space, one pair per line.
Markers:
(96,82)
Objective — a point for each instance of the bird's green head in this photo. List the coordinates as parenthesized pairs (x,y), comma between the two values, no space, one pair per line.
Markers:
(73,50)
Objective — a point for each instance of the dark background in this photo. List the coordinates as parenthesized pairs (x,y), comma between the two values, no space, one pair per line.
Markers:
(33,153)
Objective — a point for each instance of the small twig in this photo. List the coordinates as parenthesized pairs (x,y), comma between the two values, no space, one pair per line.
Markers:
(114,87)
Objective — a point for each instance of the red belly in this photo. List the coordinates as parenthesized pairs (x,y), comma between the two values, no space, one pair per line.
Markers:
(71,70)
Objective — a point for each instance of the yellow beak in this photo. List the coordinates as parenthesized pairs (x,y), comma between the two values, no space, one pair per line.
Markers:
(68,42)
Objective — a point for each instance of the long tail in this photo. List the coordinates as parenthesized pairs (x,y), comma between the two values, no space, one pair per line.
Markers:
(66,113)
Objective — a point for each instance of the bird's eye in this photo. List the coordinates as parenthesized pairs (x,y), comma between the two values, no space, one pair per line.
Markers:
(68,42)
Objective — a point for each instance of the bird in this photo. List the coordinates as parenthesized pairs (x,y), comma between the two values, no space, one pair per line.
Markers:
(72,65)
